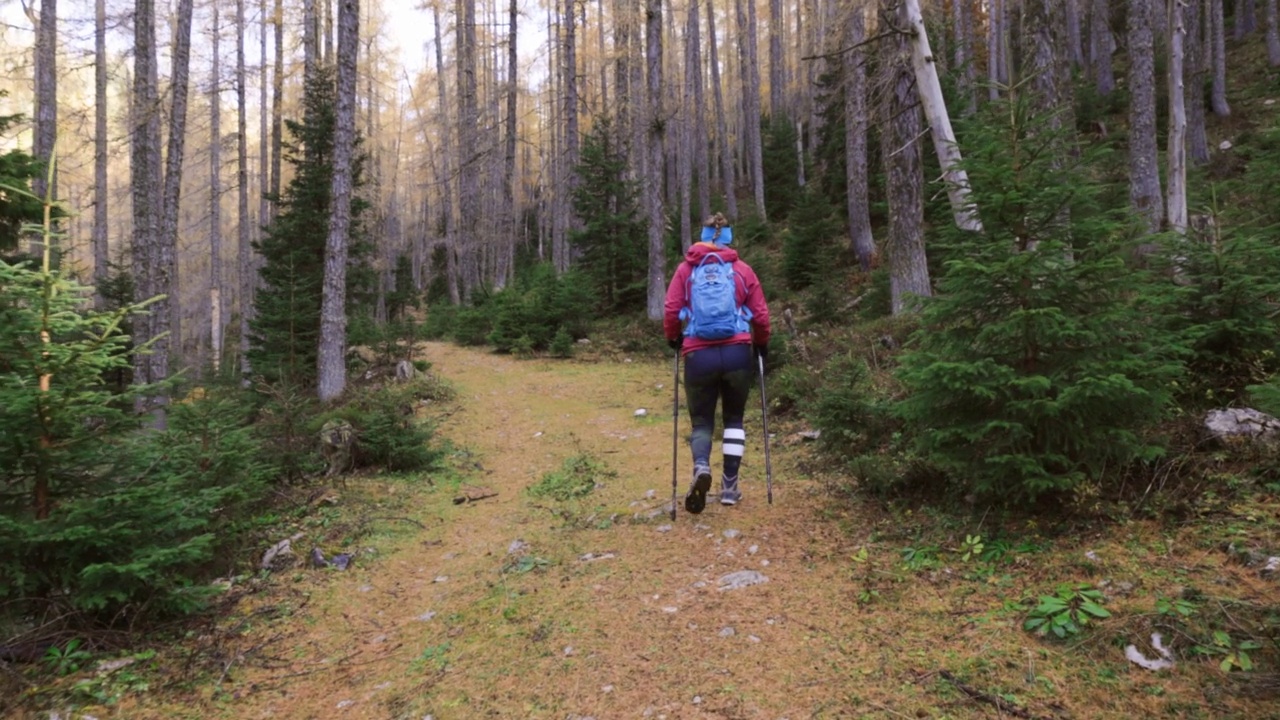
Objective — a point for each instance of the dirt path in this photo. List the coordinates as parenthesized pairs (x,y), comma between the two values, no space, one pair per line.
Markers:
(447,623)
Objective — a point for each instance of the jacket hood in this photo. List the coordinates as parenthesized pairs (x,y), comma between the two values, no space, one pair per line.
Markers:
(699,250)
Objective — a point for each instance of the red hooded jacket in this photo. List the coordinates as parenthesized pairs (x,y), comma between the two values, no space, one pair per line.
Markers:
(749,294)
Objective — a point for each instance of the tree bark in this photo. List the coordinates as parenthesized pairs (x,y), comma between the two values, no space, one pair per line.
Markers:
(46,110)
(166,268)
(997,76)
(935,109)
(571,145)
(1144,168)
(1273,33)
(777,61)
(101,260)
(750,72)
(1218,59)
(655,122)
(963,59)
(277,104)
(331,379)
(1177,148)
(310,40)
(702,176)
(1193,41)
(215,196)
(1101,46)
(861,241)
(723,147)
(1074,48)
(908,267)
(446,172)
(468,167)
(1245,18)
(244,250)
(513,94)
(145,181)
(264,125)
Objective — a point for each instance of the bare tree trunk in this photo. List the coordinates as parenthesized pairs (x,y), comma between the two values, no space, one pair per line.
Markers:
(1177,149)
(962,22)
(935,109)
(1245,17)
(46,114)
(166,269)
(145,169)
(750,72)
(1144,168)
(215,195)
(513,94)
(1101,46)
(699,113)
(277,104)
(996,76)
(468,167)
(244,250)
(446,172)
(855,143)
(331,378)
(1193,41)
(326,26)
(264,139)
(310,40)
(723,147)
(1273,33)
(1074,48)
(653,163)
(571,146)
(777,61)
(908,268)
(1218,59)
(101,262)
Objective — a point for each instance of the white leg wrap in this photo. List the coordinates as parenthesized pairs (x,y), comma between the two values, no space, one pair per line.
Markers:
(734,442)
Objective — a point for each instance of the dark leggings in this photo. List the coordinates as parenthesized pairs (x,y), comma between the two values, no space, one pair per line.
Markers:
(721,372)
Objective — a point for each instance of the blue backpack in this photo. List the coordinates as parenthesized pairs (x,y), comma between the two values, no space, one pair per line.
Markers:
(712,311)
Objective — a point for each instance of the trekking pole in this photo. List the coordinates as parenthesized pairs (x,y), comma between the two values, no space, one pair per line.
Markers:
(675,433)
(764,418)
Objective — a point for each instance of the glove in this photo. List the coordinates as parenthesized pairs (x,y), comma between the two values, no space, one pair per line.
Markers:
(676,344)
(762,351)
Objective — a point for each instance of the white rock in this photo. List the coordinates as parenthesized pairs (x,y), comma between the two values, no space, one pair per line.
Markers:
(1240,422)
(741,579)
(664,528)
(670,609)
(606,688)
(641,412)
(753,549)
(584,341)
(1092,556)
(441,578)
(753,638)
(426,616)
(764,563)
(1164,662)
(1224,145)
(517,546)
(731,533)
(727,632)
(538,434)
(650,494)
(344,704)
(697,699)
(568,650)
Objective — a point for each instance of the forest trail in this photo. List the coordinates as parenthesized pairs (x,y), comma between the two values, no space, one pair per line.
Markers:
(447,622)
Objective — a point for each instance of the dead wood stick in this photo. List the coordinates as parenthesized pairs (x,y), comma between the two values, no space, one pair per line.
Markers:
(1001,705)
(467,498)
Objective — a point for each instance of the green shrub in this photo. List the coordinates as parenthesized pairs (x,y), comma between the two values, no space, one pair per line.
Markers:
(440,321)
(854,416)
(562,343)
(388,435)
(577,477)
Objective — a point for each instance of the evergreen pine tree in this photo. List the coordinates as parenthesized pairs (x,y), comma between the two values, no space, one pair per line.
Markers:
(612,242)
(1038,366)
(285,330)
(781,168)
(17,170)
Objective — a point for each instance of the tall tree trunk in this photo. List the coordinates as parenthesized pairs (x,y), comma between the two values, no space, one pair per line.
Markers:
(908,268)
(1246,19)
(723,147)
(1193,42)
(777,61)
(750,74)
(571,146)
(1074,48)
(1273,33)
(625,107)
(215,196)
(264,125)
(935,109)
(277,104)
(699,113)
(46,114)
(310,40)
(446,171)
(1177,149)
(101,261)
(996,75)
(166,268)
(962,22)
(244,252)
(1144,168)
(1101,46)
(513,94)
(1218,59)
(855,143)
(331,378)
(468,167)
(655,123)
(684,141)
(145,170)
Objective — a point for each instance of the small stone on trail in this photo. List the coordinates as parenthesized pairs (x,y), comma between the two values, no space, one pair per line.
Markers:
(606,688)
(1092,556)
(700,526)
(670,609)
(727,632)
(731,533)
(764,563)
(650,494)
(664,528)
(753,638)
(753,549)
(641,412)
(441,578)
(700,584)
(366,588)
(344,704)
(517,546)
(810,434)
(592,557)
(568,650)
(424,617)
(538,434)
(1271,568)
(1224,145)
(741,579)
(697,699)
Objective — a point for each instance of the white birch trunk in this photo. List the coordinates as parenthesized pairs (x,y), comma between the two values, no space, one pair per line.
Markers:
(935,109)
(331,379)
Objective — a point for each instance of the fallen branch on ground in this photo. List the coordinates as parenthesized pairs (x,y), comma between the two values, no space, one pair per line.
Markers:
(1001,705)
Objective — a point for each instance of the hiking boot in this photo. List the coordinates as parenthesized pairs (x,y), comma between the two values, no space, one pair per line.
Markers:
(729,492)
(696,499)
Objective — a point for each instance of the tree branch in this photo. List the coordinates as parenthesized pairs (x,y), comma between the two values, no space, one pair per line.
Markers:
(855,46)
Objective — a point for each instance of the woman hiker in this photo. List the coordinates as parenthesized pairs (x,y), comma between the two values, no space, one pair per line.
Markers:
(716,316)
